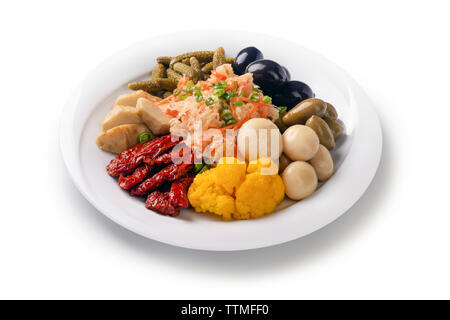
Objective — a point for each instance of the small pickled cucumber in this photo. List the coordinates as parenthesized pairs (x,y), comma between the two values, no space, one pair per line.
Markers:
(165,60)
(229,60)
(195,65)
(183,69)
(218,57)
(167,84)
(172,74)
(207,68)
(150,86)
(158,71)
(153,86)
(200,55)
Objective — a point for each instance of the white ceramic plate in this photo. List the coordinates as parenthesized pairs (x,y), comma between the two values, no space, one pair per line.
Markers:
(356,157)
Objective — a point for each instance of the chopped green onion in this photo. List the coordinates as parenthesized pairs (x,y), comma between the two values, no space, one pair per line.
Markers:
(227,117)
(209,101)
(267,99)
(198,167)
(238,103)
(205,168)
(254,97)
(176,92)
(226,111)
(199,98)
(146,136)
(226,96)
(220,85)
(182,97)
(282,110)
(188,89)
(257,89)
(219,92)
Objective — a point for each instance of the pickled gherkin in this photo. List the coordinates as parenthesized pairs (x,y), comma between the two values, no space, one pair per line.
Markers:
(158,71)
(200,55)
(197,70)
(196,65)
(165,60)
(172,74)
(183,69)
(207,68)
(153,86)
(167,84)
(229,60)
(218,57)
(150,86)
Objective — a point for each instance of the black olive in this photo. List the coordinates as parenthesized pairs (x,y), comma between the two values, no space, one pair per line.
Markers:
(267,74)
(291,93)
(288,74)
(244,58)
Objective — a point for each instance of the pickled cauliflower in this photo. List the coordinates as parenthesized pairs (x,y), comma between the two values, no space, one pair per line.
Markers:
(234,191)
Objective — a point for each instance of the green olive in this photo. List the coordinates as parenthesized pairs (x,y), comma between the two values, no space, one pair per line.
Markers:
(280,124)
(331,112)
(323,131)
(304,110)
(336,127)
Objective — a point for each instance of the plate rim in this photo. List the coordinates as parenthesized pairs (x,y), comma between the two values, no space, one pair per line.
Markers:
(68,147)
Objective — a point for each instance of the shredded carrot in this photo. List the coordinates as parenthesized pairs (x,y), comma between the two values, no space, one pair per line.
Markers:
(164,100)
(171,112)
(233,111)
(218,75)
(183,81)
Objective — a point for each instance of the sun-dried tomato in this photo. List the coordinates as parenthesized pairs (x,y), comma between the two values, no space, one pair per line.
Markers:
(135,178)
(150,156)
(159,202)
(170,173)
(178,192)
(126,161)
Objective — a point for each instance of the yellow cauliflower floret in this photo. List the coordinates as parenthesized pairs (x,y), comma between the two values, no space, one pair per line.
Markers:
(258,195)
(261,191)
(230,172)
(231,193)
(265,166)
(213,190)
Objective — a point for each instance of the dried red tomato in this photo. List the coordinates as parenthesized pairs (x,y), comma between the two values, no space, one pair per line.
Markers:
(135,178)
(159,202)
(170,173)
(126,161)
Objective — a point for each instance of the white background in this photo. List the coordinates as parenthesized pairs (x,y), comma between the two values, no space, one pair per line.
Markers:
(394,243)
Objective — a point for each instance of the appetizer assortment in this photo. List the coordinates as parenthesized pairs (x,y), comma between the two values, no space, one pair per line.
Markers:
(228,136)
